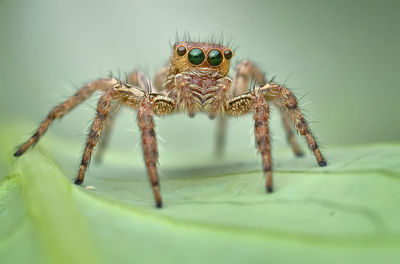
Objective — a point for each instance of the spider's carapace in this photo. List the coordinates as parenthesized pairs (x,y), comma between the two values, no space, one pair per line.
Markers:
(196,79)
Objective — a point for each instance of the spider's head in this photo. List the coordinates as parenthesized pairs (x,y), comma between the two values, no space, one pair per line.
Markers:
(188,56)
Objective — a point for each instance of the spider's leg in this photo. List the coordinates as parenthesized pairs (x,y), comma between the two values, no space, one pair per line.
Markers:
(261,132)
(247,70)
(136,78)
(60,110)
(139,79)
(160,80)
(255,102)
(149,145)
(103,110)
(221,135)
(288,101)
(104,138)
(289,132)
(244,73)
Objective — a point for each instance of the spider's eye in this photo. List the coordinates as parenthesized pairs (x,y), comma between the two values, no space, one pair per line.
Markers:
(181,50)
(214,57)
(196,56)
(228,54)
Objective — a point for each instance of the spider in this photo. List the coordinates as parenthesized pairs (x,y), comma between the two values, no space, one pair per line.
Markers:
(195,80)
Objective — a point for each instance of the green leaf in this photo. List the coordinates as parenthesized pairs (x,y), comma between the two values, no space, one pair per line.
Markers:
(216,211)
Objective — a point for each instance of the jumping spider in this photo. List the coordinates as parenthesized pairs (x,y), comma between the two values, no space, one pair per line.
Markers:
(195,80)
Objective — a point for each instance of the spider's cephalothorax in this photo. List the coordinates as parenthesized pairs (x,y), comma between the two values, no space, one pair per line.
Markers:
(195,80)
(197,77)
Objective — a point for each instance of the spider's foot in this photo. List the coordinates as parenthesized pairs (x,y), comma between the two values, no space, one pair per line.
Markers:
(18,153)
(78,181)
(269,189)
(322,163)
(159,204)
(299,154)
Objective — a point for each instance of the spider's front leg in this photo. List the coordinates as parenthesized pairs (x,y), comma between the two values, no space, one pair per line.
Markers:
(60,110)
(146,105)
(244,104)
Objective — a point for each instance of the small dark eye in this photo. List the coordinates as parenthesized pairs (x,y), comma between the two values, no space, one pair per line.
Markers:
(181,50)
(228,54)
(196,56)
(214,57)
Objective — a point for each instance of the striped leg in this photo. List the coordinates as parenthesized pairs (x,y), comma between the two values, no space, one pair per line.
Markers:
(119,92)
(245,72)
(289,102)
(261,132)
(104,138)
(221,135)
(149,145)
(60,110)
(289,132)
(103,110)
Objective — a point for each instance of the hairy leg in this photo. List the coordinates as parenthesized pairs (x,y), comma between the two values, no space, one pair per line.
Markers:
(161,78)
(60,110)
(256,102)
(261,132)
(289,132)
(149,145)
(103,110)
(139,79)
(136,78)
(119,92)
(103,143)
(288,101)
(245,72)
(221,135)
(146,104)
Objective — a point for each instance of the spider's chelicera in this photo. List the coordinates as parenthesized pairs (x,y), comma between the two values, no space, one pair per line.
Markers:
(195,80)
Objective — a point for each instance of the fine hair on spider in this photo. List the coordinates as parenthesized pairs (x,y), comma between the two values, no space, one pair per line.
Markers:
(196,80)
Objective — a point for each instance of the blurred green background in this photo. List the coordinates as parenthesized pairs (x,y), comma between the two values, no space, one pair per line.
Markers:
(342,56)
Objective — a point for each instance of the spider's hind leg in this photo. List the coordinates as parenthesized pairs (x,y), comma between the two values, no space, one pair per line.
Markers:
(290,136)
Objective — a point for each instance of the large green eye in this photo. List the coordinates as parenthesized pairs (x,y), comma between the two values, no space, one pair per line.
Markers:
(196,56)
(214,57)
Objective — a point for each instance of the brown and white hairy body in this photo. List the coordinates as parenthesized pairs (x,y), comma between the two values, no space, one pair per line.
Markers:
(195,80)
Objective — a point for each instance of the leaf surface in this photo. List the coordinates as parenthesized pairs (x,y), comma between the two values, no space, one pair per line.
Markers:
(216,211)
